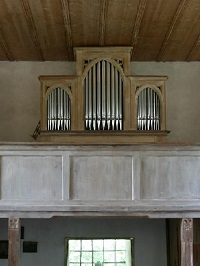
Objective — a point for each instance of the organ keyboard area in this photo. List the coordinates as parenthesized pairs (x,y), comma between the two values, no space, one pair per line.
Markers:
(103,103)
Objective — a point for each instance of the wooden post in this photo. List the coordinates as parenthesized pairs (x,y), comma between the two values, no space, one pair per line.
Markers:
(14,242)
(187,242)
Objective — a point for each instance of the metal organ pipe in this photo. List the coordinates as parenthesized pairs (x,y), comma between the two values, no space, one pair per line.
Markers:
(103,97)
(148,110)
(58,110)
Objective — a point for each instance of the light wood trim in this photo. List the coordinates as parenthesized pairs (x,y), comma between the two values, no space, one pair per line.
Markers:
(14,242)
(138,83)
(48,83)
(103,137)
(187,242)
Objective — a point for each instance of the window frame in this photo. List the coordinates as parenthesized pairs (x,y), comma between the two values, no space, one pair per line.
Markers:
(66,244)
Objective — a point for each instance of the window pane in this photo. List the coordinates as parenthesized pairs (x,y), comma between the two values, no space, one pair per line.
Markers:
(109,244)
(98,256)
(120,244)
(110,264)
(74,256)
(109,256)
(97,244)
(86,244)
(74,244)
(86,256)
(120,256)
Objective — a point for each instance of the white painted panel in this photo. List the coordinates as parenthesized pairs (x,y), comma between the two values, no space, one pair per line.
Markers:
(31,178)
(101,178)
(170,177)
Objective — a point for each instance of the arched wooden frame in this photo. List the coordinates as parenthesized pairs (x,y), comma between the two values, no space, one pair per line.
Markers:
(62,122)
(49,90)
(156,89)
(107,121)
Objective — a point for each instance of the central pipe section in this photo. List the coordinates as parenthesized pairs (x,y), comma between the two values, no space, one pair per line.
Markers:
(103,97)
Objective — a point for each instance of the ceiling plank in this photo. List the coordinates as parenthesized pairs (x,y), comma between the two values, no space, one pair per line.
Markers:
(138,21)
(194,50)
(102,24)
(181,7)
(85,21)
(5,47)
(68,30)
(32,28)
(120,19)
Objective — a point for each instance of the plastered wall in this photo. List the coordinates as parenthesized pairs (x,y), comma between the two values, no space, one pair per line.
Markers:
(149,236)
(20,96)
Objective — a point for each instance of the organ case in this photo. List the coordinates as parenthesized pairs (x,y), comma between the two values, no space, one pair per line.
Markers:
(103,103)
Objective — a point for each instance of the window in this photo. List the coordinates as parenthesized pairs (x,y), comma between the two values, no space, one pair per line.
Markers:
(98,252)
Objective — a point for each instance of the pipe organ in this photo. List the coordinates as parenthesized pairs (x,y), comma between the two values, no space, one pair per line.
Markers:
(103,103)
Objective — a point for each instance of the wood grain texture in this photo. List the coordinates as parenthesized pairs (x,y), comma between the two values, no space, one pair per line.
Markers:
(32,28)
(5,47)
(68,30)
(187,242)
(14,242)
(49,30)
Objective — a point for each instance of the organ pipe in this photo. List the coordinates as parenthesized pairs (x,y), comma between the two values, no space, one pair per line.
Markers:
(58,110)
(103,97)
(148,110)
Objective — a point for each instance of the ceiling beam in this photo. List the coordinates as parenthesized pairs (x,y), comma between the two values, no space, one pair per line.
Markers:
(68,30)
(5,47)
(102,22)
(193,50)
(179,10)
(138,21)
(32,28)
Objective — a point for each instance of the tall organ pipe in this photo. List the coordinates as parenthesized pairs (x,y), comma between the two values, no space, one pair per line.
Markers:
(148,110)
(103,97)
(58,110)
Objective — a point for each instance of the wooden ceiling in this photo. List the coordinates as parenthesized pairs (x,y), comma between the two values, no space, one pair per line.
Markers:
(158,30)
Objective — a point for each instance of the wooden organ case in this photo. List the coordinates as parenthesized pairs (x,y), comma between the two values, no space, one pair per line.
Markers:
(103,103)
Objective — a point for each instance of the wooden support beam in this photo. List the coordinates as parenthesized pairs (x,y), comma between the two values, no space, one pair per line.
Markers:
(187,242)
(14,242)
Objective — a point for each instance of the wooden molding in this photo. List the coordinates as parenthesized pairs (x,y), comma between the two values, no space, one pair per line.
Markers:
(32,28)
(180,8)
(138,21)
(187,242)
(103,15)
(5,47)
(68,30)
(194,49)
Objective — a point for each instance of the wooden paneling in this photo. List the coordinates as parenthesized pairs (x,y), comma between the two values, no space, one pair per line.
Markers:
(170,177)
(85,17)
(49,25)
(49,30)
(31,178)
(14,28)
(184,33)
(101,178)
(120,21)
(156,21)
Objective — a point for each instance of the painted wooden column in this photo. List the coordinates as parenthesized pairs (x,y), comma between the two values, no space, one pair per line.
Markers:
(14,242)
(187,242)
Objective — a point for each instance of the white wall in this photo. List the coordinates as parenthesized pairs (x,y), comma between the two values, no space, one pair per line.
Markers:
(20,96)
(149,235)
